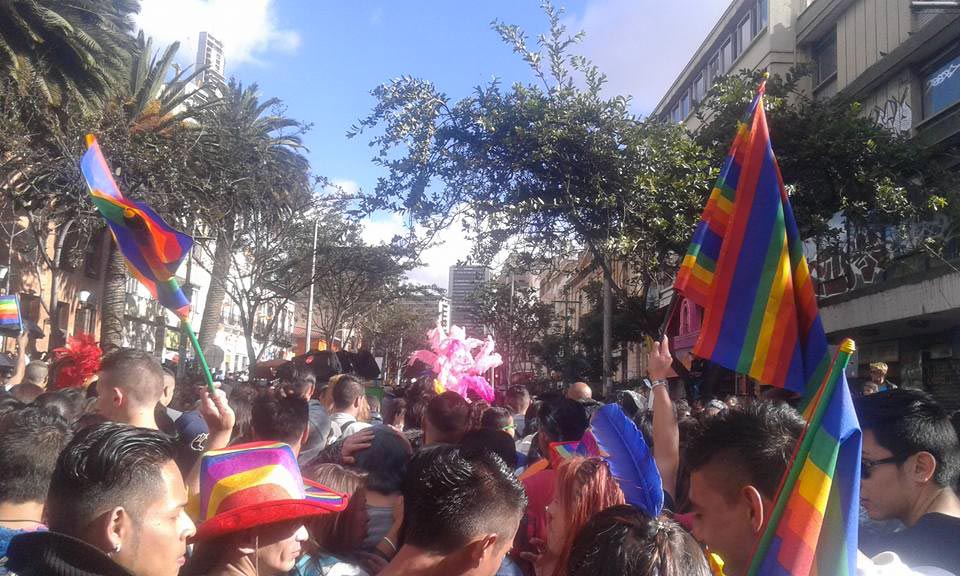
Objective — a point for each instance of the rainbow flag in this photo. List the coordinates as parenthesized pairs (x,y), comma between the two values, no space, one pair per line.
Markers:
(153,250)
(10,314)
(813,528)
(745,267)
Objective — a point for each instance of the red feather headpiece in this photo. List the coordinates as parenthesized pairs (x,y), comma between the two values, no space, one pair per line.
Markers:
(77,362)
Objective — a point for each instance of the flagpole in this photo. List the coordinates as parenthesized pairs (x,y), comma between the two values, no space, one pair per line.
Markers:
(819,404)
(185,324)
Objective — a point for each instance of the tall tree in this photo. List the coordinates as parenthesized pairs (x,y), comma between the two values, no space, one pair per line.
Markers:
(249,159)
(73,50)
(517,318)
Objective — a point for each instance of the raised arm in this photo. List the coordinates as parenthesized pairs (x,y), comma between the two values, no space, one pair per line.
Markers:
(666,433)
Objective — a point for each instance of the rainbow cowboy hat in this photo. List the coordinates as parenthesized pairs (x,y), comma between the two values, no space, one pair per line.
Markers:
(257,484)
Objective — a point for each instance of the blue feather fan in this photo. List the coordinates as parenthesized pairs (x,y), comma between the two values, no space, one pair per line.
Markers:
(629,458)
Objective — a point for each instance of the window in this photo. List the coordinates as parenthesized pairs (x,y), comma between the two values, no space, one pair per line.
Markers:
(726,56)
(713,70)
(684,105)
(675,114)
(744,33)
(761,16)
(825,58)
(30,307)
(699,88)
(85,321)
(941,86)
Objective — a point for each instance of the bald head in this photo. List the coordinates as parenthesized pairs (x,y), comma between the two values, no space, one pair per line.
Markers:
(579,391)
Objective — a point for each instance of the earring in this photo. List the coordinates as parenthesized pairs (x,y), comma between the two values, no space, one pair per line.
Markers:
(116,549)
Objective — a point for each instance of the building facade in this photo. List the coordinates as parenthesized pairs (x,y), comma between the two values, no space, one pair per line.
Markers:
(881,286)
(463,283)
(210,53)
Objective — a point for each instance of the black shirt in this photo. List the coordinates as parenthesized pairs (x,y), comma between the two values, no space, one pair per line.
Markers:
(933,541)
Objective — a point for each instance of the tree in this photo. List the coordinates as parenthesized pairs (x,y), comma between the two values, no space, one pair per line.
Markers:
(834,156)
(248,159)
(552,166)
(517,318)
(67,51)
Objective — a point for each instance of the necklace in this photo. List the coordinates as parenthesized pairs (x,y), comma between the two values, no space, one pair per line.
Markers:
(14,521)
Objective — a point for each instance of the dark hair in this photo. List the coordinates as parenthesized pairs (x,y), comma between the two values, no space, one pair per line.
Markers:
(449,415)
(516,396)
(493,440)
(756,441)
(296,379)
(136,372)
(105,466)
(531,424)
(563,420)
(385,461)
(241,400)
(416,411)
(394,408)
(31,439)
(70,403)
(624,540)
(909,421)
(496,418)
(477,409)
(279,419)
(9,404)
(452,495)
(346,391)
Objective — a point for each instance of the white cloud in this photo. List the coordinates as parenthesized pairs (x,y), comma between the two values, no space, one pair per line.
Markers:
(451,247)
(342,186)
(248,28)
(641,45)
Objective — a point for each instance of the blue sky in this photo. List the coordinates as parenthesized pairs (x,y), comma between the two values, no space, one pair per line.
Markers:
(322,58)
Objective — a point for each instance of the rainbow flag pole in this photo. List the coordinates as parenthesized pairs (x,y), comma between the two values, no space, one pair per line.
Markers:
(185,322)
(814,414)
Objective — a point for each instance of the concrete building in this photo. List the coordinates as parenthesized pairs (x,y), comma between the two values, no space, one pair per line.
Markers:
(464,281)
(898,59)
(429,309)
(210,54)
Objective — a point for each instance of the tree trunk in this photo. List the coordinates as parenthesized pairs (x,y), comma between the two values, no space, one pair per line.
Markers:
(210,323)
(114,301)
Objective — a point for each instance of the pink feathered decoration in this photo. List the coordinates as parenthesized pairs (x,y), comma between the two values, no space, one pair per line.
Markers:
(456,366)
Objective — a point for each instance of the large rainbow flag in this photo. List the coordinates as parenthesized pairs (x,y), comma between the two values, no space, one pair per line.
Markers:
(10,313)
(153,250)
(745,267)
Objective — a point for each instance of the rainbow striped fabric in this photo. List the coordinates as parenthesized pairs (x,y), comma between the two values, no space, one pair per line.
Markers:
(10,313)
(814,525)
(745,267)
(153,250)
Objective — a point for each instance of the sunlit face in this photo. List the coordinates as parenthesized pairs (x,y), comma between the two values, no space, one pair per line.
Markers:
(557,514)
(157,543)
(721,522)
(885,489)
(279,546)
(877,376)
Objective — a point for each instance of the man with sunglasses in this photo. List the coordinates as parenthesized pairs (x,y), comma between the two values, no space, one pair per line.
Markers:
(910,465)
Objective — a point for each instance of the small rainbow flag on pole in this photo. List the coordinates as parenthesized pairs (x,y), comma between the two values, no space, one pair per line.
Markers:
(153,250)
(814,525)
(10,319)
(745,267)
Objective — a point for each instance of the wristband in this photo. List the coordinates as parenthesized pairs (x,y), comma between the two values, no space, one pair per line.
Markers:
(656,383)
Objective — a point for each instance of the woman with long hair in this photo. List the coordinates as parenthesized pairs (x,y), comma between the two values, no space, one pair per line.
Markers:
(585,487)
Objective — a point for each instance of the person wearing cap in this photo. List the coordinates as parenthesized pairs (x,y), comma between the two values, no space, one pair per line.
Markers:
(254,505)
(878,375)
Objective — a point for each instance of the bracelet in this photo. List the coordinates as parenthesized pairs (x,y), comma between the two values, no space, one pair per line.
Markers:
(656,383)
(392,545)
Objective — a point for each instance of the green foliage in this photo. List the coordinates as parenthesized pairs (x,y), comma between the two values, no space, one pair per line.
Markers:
(833,156)
(554,166)
(517,322)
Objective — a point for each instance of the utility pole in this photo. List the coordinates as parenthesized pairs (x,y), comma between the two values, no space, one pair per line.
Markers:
(313,275)
(607,337)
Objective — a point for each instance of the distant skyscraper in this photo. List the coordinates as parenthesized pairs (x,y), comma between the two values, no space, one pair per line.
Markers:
(464,281)
(210,54)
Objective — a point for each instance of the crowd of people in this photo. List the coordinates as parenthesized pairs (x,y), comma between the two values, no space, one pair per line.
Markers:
(135,472)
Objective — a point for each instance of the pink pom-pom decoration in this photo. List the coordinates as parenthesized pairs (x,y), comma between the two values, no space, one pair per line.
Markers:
(456,365)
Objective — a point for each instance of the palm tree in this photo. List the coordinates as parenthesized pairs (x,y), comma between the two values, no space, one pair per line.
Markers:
(67,50)
(252,155)
(150,102)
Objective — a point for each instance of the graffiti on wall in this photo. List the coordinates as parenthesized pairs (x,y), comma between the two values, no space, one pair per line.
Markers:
(896,113)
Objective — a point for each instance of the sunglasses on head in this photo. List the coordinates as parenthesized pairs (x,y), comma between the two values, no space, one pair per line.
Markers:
(867,466)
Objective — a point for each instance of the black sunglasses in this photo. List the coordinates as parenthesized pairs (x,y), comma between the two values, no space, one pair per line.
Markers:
(867,466)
